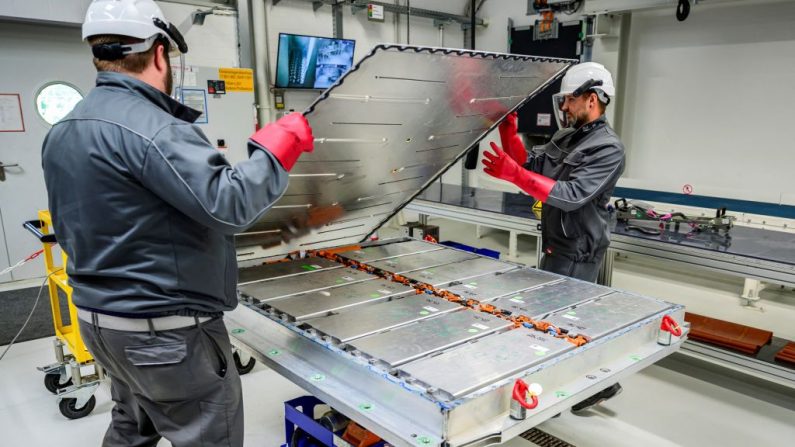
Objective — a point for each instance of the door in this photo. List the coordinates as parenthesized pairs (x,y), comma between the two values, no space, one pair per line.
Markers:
(33,56)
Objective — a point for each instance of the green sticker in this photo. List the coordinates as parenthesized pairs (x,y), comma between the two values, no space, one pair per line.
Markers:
(366,407)
(571,312)
(238,330)
(318,378)
(274,352)
(541,353)
(472,331)
(375,295)
(474,283)
(635,357)
(424,312)
(424,440)
(339,281)
(308,267)
(561,394)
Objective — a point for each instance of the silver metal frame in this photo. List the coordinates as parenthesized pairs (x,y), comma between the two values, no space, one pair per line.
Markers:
(405,415)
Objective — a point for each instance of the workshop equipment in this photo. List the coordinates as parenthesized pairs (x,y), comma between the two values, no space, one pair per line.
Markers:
(416,365)
(65,378)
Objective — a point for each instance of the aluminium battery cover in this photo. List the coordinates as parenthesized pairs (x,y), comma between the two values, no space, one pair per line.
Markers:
(486,288)
(487,360)
(385,130)
(607,314)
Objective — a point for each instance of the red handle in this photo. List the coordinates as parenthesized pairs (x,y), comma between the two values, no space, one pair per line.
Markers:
(670,325)
(520,395)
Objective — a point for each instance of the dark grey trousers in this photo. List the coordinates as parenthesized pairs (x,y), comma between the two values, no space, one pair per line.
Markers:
(586,271)
(180,384)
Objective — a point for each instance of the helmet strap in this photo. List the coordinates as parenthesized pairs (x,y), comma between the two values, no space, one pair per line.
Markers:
(115,51)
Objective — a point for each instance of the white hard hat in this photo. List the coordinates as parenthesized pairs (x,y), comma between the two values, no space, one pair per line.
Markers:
(582,78)
(141,19)
(579,74)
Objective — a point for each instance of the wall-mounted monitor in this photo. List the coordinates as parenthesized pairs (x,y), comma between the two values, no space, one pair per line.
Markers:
(312,62)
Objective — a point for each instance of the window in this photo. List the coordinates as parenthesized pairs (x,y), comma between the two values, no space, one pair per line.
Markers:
(55,100)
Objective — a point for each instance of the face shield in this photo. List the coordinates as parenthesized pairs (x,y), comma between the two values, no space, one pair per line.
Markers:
(557,106)
(559,99)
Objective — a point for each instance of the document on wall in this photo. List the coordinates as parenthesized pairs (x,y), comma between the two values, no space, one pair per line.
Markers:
(11,119)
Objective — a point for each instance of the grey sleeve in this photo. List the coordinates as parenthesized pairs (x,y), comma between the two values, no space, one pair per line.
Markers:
(596,173)
(535,162)
(185,170)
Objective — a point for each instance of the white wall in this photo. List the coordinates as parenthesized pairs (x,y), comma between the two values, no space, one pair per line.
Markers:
(709,100)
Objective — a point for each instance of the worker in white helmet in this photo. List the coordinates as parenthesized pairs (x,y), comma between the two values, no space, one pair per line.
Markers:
(574,175)
(147,209)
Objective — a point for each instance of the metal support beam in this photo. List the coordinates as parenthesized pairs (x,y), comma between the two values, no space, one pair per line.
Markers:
(245,34)
(358,5)
(336,19)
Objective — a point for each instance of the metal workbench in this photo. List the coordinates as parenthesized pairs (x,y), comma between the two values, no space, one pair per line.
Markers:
(745,252)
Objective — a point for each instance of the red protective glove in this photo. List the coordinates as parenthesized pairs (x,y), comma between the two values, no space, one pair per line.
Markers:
(511,140)
(286,139)
(500,165)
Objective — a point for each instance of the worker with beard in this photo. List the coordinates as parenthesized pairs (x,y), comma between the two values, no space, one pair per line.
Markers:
(146,210)
(573,175)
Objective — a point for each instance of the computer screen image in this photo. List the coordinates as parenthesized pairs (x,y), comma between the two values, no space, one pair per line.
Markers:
(312,62)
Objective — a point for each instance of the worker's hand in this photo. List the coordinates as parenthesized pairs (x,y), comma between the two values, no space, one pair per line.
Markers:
(508,128)
(296,124)
(500,165)
(286,139)
(510,140)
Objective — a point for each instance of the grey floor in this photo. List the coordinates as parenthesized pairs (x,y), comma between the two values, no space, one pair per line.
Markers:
(659,407)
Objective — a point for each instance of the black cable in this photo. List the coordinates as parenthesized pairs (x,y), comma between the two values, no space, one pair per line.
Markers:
(682,10)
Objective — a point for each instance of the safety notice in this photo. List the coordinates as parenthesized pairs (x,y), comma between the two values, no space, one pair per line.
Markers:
(237,79)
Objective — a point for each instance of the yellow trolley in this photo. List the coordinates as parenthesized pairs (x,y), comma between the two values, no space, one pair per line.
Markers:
(66,377)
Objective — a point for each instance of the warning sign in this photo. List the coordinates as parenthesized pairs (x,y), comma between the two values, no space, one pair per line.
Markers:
(237,79)
(537,209)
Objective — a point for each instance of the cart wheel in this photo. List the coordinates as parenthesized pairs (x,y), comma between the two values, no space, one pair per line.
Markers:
(67,407)
(52,382)
(241,368)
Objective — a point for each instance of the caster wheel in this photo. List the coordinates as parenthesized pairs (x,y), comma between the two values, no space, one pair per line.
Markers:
(303,439)
(67,407)
(241,368)
(52,382)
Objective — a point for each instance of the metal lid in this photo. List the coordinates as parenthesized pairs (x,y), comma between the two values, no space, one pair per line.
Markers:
(384,131)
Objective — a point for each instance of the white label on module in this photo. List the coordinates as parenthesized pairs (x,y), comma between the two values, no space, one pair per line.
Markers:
(347,278)
(316,266)
(539,348)
(432,309)
(482,327)
(384,291)
(517,300)
(470,286)
(571,317)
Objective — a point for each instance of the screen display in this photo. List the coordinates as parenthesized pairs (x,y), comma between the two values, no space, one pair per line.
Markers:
(312,62)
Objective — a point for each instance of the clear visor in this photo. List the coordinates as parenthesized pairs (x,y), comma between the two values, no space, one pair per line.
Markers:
(557,107)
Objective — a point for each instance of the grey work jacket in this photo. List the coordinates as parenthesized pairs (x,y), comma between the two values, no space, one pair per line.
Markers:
(586,163)
(145,207)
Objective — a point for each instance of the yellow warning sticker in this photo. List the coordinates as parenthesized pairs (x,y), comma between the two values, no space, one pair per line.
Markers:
(237,79)
(537,209)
